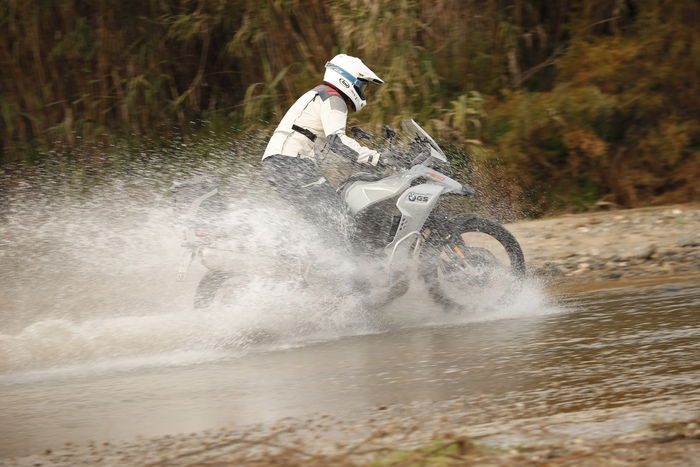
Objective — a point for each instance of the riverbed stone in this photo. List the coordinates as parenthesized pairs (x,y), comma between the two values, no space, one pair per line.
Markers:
(688,243)
(644,252)
(629,243)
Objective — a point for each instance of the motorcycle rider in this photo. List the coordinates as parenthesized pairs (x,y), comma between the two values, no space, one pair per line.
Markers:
(316,123)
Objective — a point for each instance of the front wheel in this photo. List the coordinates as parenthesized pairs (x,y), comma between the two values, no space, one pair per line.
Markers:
(472,260)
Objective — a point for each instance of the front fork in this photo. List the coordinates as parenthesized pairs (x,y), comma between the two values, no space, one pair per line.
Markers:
(439,242)
(194,240)
(436,232)
(186,261)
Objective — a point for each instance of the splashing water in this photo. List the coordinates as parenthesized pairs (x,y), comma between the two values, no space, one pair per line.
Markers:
(88,276)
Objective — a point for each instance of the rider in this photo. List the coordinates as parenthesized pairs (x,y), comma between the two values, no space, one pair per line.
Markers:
(315,123)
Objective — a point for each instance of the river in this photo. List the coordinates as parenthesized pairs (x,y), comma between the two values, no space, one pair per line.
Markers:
(585,351)
(98,341)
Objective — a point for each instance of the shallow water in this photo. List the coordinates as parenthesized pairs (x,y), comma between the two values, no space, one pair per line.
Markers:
(593,351)
(98,341)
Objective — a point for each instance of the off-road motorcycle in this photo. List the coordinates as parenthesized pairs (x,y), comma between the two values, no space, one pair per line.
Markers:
(405,216)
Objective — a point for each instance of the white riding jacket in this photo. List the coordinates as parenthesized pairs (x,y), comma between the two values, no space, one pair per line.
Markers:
(317,115)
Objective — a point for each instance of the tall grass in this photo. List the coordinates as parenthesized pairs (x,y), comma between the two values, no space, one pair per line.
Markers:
(582,93)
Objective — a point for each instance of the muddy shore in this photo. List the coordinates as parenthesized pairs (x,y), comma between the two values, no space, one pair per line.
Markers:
(570,253)
(416,434)
(613,248)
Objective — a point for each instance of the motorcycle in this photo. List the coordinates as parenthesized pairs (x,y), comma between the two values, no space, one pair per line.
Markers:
(405,218)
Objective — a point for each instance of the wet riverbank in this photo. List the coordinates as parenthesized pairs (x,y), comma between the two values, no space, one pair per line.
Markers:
(409,440)
(613,248)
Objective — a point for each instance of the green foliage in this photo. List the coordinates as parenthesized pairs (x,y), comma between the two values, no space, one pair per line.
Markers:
(440,453)
(571,101)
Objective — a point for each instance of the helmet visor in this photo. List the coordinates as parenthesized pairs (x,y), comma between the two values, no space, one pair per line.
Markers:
(360,86)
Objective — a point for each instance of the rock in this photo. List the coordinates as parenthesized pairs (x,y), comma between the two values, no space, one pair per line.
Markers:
(687,243)
(612,275)
(578,271)
(644,252)
(607,205)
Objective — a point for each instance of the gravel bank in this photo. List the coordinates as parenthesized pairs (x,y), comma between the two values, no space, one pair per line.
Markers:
(418,434)
(613,248)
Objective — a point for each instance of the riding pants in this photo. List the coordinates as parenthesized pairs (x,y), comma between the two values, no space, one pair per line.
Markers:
(301,184)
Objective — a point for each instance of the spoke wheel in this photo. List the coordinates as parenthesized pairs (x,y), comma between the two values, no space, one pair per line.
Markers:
(478,260)
(208,288)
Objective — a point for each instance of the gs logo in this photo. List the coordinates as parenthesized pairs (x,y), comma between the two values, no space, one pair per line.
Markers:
(344,83)
(418,198)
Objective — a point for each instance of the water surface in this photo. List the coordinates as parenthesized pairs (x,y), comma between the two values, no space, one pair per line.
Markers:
(595,350)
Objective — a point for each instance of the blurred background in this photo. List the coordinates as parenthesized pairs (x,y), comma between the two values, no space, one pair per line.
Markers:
(570,102)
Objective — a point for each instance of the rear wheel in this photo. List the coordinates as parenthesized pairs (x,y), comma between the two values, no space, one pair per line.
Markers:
(222,287)
(208,288)
(474,260)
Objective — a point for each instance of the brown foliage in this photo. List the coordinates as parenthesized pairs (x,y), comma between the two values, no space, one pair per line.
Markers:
(579,99)
(622,120)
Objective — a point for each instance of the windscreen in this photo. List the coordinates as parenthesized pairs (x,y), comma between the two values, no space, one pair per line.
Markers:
(413,130)
(437,159)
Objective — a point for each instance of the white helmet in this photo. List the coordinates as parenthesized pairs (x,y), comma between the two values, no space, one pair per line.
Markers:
(350,76)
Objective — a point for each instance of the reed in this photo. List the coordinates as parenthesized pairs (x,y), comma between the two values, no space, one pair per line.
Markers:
(599,96)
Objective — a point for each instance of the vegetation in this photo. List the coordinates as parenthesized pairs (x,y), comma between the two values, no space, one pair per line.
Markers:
(571,101)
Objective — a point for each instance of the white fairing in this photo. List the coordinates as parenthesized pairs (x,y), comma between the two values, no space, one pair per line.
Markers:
(415,206)
(415,202)
(360,195)
(363,194)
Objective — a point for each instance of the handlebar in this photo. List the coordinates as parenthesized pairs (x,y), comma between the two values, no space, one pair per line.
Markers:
(468,191)
(393,159)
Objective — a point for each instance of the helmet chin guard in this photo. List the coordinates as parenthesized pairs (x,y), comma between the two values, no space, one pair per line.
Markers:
(350,76)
